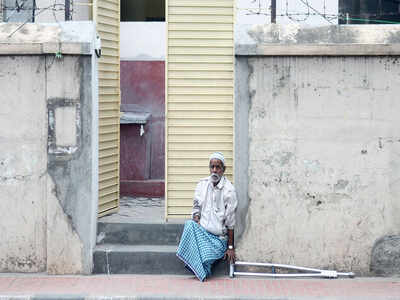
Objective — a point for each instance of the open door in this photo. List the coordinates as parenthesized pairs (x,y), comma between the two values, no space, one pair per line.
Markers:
(199,95)
(107,17)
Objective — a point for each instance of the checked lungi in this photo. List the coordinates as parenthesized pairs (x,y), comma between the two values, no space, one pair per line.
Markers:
(199,249)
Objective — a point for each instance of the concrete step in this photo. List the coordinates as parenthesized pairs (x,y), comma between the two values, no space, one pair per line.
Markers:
(143,259)
(139,233)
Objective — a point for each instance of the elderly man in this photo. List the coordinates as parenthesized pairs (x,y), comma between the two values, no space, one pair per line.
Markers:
(209,236)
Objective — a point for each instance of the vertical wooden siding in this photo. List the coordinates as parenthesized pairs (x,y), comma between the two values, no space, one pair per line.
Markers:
(107,17)
(199,96)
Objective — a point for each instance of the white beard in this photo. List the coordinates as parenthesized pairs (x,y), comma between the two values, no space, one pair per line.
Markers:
(215,178)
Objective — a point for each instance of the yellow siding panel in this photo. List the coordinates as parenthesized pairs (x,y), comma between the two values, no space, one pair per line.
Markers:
(107,17)
(180,210)
(200,19)
(200,66)
(200,27)
(213,59)
(209,138)
(200,90)
(183,106)
(198,130)
(200,50)
(191,35)
(207,114)
(204,122)
(206,3)
(199,95)
(200,43)
(200,10)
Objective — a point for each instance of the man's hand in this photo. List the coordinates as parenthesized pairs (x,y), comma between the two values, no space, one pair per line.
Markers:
(230,255)
(196,218)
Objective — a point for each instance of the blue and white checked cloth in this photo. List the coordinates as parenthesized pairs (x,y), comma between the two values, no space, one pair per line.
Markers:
(199,249)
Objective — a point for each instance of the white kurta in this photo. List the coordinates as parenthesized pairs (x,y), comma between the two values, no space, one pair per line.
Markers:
(216,205)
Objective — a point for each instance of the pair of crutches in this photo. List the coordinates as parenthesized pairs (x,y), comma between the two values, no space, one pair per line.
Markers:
(305,272)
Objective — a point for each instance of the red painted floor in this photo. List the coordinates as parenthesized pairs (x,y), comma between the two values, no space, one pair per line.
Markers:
(185,286)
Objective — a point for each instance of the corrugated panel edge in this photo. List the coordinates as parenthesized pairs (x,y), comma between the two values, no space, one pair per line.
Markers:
(95,7)
(166,114)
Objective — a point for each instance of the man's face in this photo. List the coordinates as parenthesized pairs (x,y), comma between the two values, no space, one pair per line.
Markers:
(216,167)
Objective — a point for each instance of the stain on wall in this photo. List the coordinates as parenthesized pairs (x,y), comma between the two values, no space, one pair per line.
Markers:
(324,159)
(46,164)
(23,164)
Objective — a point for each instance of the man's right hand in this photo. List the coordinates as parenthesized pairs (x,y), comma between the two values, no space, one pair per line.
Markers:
(196,218)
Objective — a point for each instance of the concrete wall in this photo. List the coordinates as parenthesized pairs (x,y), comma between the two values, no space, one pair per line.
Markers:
(322,144)
(48,137)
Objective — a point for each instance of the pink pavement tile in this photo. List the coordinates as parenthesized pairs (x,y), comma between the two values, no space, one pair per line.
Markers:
(187,286)
(5,283)
(26,285)
(98,285)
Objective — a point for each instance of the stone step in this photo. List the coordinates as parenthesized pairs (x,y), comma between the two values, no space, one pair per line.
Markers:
(139,233)
(143,259)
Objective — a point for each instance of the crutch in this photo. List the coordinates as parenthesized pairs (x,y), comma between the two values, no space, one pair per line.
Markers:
(312,272)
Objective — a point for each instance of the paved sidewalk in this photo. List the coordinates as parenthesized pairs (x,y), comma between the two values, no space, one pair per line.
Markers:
(41,286)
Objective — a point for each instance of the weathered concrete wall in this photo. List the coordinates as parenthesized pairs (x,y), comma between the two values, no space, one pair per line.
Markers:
(23,165)
(323,150)
(48,162)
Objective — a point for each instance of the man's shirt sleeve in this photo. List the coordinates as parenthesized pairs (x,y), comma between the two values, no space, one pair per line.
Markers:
(197,201)
(231,204)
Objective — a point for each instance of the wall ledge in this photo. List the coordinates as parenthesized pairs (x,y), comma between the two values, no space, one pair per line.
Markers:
(335,40)
(317,50)
(45,48)
(53,38)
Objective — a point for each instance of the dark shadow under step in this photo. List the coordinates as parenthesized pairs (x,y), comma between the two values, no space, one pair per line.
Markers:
(143,259)
(139,233)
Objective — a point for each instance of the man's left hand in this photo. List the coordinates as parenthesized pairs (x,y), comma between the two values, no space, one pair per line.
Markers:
(230,255)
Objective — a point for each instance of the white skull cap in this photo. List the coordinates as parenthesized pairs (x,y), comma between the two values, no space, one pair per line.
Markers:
(218,155)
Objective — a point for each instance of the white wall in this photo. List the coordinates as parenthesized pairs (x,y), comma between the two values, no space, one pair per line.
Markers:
(143,40)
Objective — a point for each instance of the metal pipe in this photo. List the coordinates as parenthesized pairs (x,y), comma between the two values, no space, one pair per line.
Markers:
(280,275)
(273,11)
(33,10)
(240,263)
(67,10)
(315,272)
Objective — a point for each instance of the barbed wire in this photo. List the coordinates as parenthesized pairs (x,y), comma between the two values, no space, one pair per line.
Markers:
(297,16)
(36,12)
(22,6)
(264,8)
